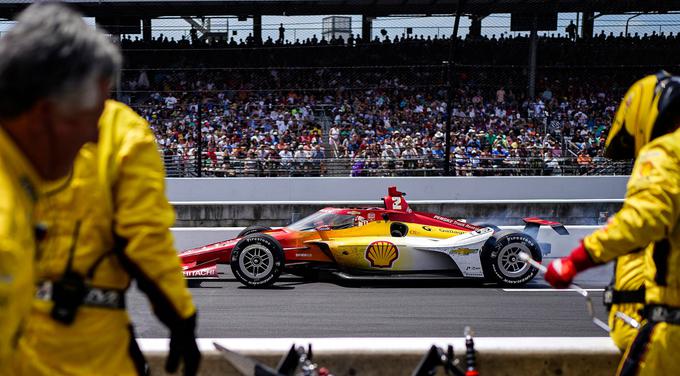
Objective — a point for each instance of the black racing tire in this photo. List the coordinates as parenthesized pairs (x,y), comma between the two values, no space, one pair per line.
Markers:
(253,229)
(500,258)
(484,224)
(257,260)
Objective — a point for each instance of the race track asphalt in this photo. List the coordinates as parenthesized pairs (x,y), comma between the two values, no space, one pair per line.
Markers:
(294,308)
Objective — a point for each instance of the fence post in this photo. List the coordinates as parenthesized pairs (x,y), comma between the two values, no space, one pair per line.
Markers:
(533,46)
(449,93)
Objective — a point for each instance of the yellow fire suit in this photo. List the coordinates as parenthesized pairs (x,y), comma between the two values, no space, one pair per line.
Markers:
(112,219)
(649,216)
(19,184)
(628,277)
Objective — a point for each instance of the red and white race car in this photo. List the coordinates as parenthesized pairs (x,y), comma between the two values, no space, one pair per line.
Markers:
(359,243)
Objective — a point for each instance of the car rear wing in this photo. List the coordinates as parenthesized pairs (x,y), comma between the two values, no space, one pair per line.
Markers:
(532,224)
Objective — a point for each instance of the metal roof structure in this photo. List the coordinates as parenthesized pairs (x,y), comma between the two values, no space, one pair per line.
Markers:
(157,8)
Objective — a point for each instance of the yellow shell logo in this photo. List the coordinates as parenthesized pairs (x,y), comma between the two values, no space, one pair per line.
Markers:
(382,254)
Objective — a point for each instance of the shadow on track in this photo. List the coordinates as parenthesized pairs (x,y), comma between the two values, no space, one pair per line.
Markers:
(415,284)
(273,287)
(289,282)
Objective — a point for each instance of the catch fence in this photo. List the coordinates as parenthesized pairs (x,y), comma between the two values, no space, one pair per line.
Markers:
(414,83)
(212,165)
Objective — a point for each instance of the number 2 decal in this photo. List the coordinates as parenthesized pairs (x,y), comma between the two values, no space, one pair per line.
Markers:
(396,203)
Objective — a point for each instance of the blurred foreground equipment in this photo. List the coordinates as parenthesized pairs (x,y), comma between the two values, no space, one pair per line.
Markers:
(297,362)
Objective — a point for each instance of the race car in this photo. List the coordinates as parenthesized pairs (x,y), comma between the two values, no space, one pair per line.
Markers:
(389,242)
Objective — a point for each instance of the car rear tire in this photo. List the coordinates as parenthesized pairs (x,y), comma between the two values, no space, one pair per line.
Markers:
(253,229)
(257,260)
(500,258)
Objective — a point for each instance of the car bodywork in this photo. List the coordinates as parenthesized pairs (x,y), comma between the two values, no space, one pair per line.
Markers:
(390,241)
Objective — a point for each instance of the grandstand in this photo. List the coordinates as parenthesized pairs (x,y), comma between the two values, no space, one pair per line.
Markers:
(517,98)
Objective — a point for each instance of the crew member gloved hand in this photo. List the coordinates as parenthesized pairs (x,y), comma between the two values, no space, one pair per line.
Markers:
(561,272)
(183,347)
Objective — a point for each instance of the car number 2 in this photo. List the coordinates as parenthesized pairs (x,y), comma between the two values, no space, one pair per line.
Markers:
(396,203)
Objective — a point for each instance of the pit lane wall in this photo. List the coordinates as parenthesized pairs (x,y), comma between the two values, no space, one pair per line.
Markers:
(590,356)
(301,189)
(236,202)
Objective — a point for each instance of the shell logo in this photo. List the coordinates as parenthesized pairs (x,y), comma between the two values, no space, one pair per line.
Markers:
(382,254)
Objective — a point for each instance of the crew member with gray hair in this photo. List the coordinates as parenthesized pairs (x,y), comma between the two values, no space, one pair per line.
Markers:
(108,224)
(55,74)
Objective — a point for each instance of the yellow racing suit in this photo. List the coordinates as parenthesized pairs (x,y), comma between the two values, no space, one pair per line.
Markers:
(108,222)
(627,285)
(19,184)
(649,216)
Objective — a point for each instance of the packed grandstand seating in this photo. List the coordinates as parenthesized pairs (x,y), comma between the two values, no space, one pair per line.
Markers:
(367,120)
(604,49)
(378,132)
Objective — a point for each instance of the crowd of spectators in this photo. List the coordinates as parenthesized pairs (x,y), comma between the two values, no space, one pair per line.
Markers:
(554,49)
(388,129)
(364,119)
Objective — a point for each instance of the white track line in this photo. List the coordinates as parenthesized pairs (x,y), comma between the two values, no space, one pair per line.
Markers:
(549,290)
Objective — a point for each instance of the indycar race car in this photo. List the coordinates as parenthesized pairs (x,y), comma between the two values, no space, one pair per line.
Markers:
(389,242)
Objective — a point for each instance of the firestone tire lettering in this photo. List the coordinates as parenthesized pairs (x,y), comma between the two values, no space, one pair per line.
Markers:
(273,246)
(492,250)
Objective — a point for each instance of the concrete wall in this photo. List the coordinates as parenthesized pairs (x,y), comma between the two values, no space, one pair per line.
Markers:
(242,202)
(418,188)
(243,214)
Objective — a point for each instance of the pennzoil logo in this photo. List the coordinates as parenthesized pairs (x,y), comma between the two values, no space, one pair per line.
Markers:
(462,251)
(382,254)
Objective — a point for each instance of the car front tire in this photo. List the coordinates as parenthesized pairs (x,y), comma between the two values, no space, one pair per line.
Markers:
(257,260)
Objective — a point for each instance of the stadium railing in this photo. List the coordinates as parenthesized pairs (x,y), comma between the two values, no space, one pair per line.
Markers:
(188,166)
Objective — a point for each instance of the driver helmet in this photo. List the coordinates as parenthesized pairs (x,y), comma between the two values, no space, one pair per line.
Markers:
(360,221)
(648,110)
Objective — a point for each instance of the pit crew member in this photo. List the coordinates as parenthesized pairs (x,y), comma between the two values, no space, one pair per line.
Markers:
(648,220)
(54,77)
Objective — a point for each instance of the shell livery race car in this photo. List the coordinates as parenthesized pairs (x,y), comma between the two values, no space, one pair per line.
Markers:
(359,243)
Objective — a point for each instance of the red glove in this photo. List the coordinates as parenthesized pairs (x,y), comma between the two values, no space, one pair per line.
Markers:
(561,272)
